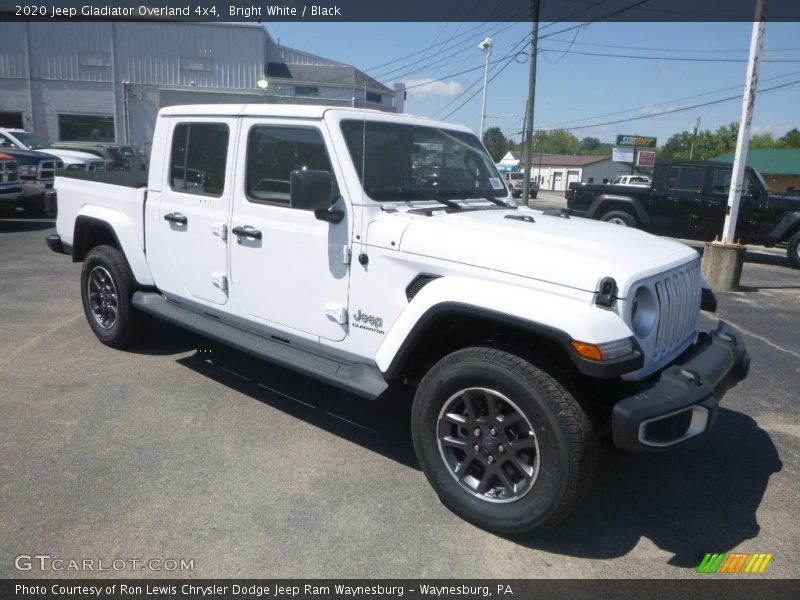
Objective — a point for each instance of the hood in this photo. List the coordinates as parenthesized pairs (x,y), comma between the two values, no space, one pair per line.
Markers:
(73,156)
(28,157)
(570,251)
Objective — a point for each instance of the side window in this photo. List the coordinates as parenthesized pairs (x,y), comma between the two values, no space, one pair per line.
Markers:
(273,153)
(721,183)
(5,142)
(685,178)
(199,154)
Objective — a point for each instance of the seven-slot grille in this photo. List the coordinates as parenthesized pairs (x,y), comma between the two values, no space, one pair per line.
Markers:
(678,295)
(47,170)
(9,172)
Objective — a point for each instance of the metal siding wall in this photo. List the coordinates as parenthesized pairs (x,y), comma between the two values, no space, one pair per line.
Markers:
(56,49)
(151,53)
(12,50)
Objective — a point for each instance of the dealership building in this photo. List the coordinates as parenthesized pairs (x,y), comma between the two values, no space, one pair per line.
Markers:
(105,81)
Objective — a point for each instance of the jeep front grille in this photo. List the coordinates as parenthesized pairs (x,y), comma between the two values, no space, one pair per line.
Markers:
(678,295)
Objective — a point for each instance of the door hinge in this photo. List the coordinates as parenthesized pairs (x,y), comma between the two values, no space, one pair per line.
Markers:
(336,312)
(347,254)
(220,229)
(219,280)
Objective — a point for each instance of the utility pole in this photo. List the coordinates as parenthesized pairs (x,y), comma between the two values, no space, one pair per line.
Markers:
(694,137)
(743,143)
(528,154)
(722,261)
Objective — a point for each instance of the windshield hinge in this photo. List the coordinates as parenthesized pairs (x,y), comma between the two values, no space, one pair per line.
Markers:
(220,229)
(347,254)
(219,280)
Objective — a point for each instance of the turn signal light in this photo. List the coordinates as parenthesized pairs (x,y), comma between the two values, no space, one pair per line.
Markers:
(590,351)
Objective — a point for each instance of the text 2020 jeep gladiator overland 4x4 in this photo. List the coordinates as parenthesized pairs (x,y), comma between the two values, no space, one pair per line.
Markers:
(299,234)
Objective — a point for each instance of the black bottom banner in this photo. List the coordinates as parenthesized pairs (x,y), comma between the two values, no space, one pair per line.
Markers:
(727,588)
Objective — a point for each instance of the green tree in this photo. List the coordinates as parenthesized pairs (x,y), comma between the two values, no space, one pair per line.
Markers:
(496,143)
(791,139)
(590,145)
(556,141)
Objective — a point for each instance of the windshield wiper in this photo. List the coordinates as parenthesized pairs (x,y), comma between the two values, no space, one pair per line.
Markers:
(399,189)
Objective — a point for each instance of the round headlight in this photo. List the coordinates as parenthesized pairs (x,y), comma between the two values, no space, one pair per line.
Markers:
(644,312)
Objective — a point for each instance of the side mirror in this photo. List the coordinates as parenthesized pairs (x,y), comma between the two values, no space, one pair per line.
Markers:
(313,190)
(310,190)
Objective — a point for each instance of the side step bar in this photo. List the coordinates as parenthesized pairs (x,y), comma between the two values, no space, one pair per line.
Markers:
(362,380)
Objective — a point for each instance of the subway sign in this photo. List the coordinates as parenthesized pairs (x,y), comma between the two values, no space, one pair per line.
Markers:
(639,141)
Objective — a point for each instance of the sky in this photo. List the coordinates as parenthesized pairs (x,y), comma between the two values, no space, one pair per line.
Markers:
(575,87)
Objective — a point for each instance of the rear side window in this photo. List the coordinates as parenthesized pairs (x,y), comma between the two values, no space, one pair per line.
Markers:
(199,155)
(273,153)
(685,178)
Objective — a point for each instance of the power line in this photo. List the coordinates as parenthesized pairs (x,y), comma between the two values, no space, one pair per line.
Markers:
(650,49)
(680,58)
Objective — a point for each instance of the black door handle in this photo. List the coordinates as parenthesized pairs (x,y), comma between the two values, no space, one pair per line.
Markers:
(176,218)
(246,231)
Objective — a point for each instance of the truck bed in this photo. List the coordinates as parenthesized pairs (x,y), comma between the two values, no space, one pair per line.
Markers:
(131,179)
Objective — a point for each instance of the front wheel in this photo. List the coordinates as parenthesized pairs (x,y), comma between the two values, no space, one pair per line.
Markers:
(504,445)
(107,287)
(793,250)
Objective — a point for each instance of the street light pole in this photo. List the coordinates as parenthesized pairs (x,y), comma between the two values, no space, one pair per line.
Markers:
(486,47)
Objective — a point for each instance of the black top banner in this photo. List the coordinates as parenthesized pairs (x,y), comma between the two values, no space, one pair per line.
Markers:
(405,11)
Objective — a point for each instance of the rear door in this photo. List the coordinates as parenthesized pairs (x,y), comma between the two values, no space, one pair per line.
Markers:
(287,267)
(674,208)
(188,257)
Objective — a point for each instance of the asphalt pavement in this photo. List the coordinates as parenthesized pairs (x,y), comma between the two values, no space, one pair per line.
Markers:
(180,448)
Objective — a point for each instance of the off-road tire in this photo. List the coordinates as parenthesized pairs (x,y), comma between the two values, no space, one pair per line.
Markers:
(793,250)
(619,217)
(564,436)
(107,274)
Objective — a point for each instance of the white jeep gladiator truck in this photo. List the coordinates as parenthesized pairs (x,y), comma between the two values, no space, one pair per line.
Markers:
(301,234)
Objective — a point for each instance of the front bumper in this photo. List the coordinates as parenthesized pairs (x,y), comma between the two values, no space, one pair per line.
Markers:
(684,402)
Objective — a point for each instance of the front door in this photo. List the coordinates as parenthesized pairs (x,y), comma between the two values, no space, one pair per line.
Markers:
(191,250)
(287,267)
(674,209)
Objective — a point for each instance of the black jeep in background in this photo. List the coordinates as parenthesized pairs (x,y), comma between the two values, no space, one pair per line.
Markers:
(688,199)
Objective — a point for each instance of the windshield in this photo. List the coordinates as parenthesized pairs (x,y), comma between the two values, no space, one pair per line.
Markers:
(30,140)
(400,158)
(515,176)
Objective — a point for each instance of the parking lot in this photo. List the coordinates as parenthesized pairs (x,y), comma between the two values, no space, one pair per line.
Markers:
(179,448)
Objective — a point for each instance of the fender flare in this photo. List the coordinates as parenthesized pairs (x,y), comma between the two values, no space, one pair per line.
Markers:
(557,318)
(786,226)
(120,227)
(596,210)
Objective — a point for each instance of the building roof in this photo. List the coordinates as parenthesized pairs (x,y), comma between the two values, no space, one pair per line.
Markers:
(335,75)
(565,160)
(783,161)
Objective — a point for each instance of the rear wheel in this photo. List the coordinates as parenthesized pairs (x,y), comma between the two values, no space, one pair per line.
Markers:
(107,287)
(793,250)
(619,217)
(501,441)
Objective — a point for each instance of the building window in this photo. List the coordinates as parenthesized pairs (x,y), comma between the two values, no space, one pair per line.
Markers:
(373,97)
(11,120)
(197,64)
(273,153)
(94,60)
(85,128)
(306,91)
(591,180)
(199,155)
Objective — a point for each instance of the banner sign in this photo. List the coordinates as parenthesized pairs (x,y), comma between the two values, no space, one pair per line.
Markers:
(622,155)
(646,158)
(639,141)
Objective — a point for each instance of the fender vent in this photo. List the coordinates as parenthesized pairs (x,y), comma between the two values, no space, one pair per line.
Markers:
(419,282)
